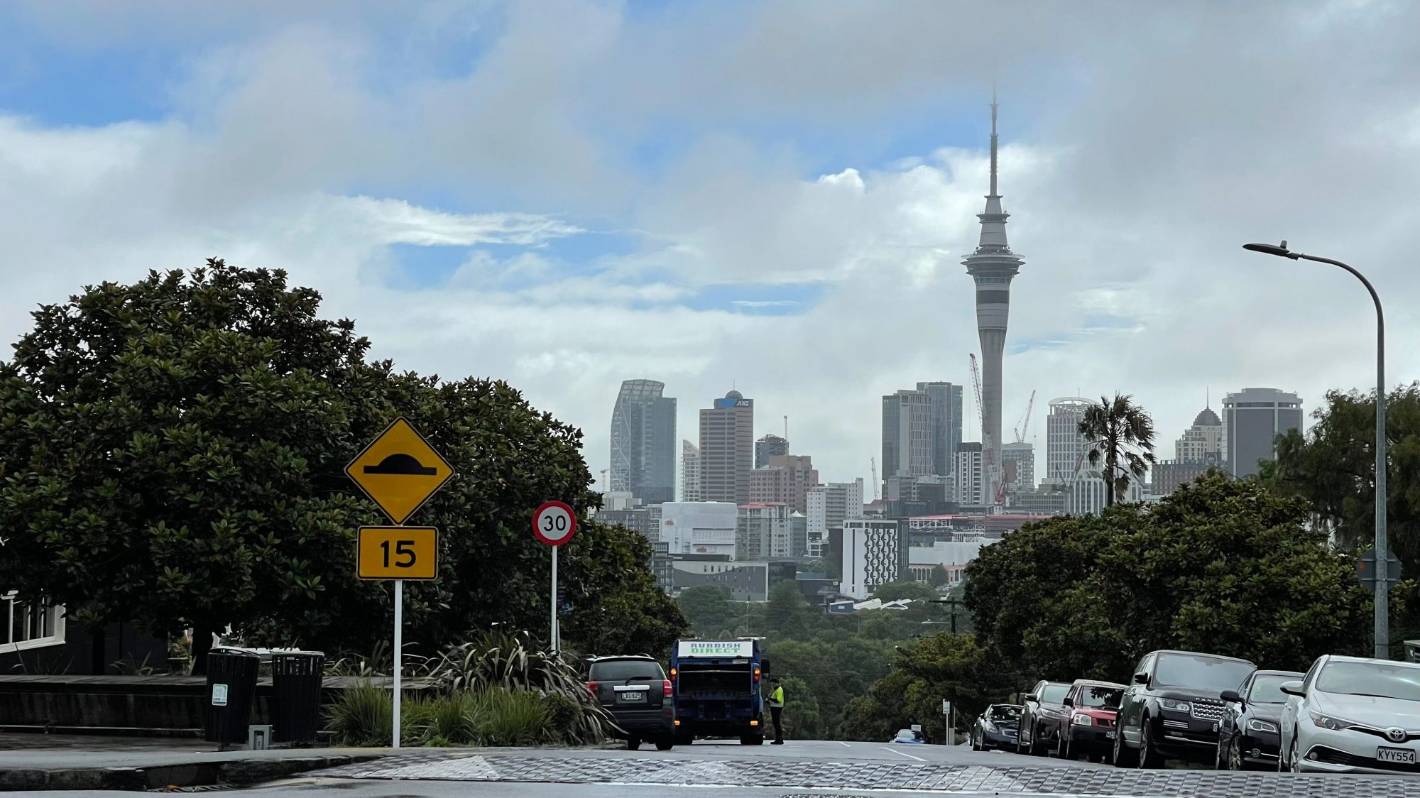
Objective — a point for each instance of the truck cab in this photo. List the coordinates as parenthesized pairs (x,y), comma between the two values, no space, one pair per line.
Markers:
(717,689)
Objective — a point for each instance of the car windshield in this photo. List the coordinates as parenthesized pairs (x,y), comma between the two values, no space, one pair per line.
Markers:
(1097,697)
(1201,673)
(1267,688)
(620,670)
(1053,693)
(1370,678)
(908,735)
(1005,713)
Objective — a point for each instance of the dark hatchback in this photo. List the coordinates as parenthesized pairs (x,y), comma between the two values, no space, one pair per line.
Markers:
(997,727)
(637,694)
(1172,707)
(1249,733)
(1041,716)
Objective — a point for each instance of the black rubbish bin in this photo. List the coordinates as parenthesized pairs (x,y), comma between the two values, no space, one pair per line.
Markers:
(231,691)
(296,679)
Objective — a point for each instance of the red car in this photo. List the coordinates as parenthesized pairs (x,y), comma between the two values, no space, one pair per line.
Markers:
(1088,727)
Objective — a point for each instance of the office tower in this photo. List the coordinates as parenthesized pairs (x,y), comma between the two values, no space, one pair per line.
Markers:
(970,476)
(907,434)
(1197,450)
(689,472)
(945,429)
(1065,447)
(1252,420)
(992,266)
(767,447)
(1018,467)
(785,480)
(828,506)
(764,531)
(643,442)
(727,449)
(699,528)
(872,553)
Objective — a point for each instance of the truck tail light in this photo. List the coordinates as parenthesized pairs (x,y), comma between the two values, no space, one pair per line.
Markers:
(674,672)
(666,688)
(756,674)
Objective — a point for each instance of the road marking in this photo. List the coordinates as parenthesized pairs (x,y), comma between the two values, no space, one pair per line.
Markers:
(899,753)
(845,745)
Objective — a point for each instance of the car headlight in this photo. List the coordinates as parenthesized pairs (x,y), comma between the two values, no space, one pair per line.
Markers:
(1174,706)
(1263,725)
(1081,720)
(1329,722)
(989,726)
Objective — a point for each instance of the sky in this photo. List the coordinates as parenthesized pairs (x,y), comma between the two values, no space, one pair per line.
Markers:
(770,196)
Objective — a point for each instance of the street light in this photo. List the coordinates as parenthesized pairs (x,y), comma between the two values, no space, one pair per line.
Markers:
(1382,601)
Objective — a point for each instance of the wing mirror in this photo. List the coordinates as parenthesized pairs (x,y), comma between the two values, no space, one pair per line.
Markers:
(1232,696)
(1293,687)
(1068,701)
(1141,678)
(1033,698)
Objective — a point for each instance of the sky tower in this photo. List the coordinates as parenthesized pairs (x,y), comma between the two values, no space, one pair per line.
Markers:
(992,266)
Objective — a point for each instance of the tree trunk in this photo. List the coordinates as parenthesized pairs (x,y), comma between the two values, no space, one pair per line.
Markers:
(201,644)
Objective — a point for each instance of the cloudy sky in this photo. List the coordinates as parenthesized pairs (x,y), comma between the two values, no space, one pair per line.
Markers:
(774,196)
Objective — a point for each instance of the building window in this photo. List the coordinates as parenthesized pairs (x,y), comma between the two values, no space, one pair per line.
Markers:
(29,624)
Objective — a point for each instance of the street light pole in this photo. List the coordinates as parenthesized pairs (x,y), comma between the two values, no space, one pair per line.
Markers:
(1382,596)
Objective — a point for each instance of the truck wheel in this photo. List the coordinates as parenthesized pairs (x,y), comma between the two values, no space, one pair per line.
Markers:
(664,743)
(633,743)
(752,739)
(684,738)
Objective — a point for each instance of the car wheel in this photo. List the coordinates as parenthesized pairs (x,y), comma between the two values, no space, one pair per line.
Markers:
(1292,759)
(1062,745)
(1123,754)
(633,743)
(1149,758)
(665,743)
(1021,736)
(1235,760)
(975,744)
(1036,748)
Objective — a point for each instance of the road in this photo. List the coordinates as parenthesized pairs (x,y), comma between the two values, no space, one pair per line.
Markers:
(800,769)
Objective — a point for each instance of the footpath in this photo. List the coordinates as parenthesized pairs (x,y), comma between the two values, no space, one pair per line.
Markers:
(78,762)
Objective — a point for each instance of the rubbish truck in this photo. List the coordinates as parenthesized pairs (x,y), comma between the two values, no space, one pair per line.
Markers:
(716,686)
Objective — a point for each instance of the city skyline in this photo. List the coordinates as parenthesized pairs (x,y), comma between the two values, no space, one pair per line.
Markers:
(797,232)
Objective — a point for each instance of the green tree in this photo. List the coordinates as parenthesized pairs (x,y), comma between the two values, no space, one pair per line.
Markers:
(896,591)
(1121,435)
(787,614)
(708,609)
(1221,566)
(171,453)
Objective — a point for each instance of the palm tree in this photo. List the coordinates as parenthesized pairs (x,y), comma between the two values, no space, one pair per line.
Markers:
(1122,435)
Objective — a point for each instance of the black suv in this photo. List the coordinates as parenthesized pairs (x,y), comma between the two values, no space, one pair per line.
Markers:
(1171,707)
(1041,714)
(637,693)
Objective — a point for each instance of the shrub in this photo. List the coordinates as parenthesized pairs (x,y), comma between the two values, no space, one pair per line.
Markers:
(361,715)
(508,718)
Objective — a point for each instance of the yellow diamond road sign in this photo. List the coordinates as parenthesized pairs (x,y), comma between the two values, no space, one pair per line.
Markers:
(399,470)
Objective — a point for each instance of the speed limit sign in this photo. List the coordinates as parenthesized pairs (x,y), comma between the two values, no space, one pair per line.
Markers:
(554,523)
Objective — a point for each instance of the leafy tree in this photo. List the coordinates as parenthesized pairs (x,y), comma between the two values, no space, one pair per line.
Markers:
(787,613)
(709,609)
(1220,566)
(171,453)
(896,591)
(1121,435)
(1332,468)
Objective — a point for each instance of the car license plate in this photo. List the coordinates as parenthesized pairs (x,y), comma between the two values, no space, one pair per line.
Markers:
(627,698)
(1109,735)
(1399,756)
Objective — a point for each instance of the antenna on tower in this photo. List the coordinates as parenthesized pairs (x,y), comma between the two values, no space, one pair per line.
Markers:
(786,433)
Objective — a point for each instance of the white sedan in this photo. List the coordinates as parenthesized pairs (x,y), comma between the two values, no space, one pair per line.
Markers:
(1353,715)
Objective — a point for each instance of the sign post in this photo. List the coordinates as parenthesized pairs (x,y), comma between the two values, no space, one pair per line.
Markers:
(554,524)
(949,737)
(399,471)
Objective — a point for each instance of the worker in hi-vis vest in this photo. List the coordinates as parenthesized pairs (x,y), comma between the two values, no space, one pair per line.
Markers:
(776,710)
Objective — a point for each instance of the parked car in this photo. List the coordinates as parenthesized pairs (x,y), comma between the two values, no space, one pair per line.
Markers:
(637,694)
(1087,727)
(997,727)
(1247,734)
(1350,714)
(1040,717)
(1172,707)
(909,737)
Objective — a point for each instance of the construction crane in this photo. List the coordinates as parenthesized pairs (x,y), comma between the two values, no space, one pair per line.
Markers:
(873,464)
(1024,426)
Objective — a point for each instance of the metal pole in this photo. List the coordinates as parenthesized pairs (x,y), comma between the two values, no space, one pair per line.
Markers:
(554,641)
(398,654)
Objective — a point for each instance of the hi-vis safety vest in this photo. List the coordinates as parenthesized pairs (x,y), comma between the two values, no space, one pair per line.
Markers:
(776,698)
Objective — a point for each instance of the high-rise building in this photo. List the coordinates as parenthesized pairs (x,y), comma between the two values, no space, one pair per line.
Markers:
(1252,420)
(767,447)
(643,442)
(1086,494)
(698,528)
(1200,448)
(727,449)
(689,472)
(872,553)
(828,506)
(945,427)
(786,479)
(765,531)
(1018,467)
(970,476)
(992,266)
(907,434)
(1065,447)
